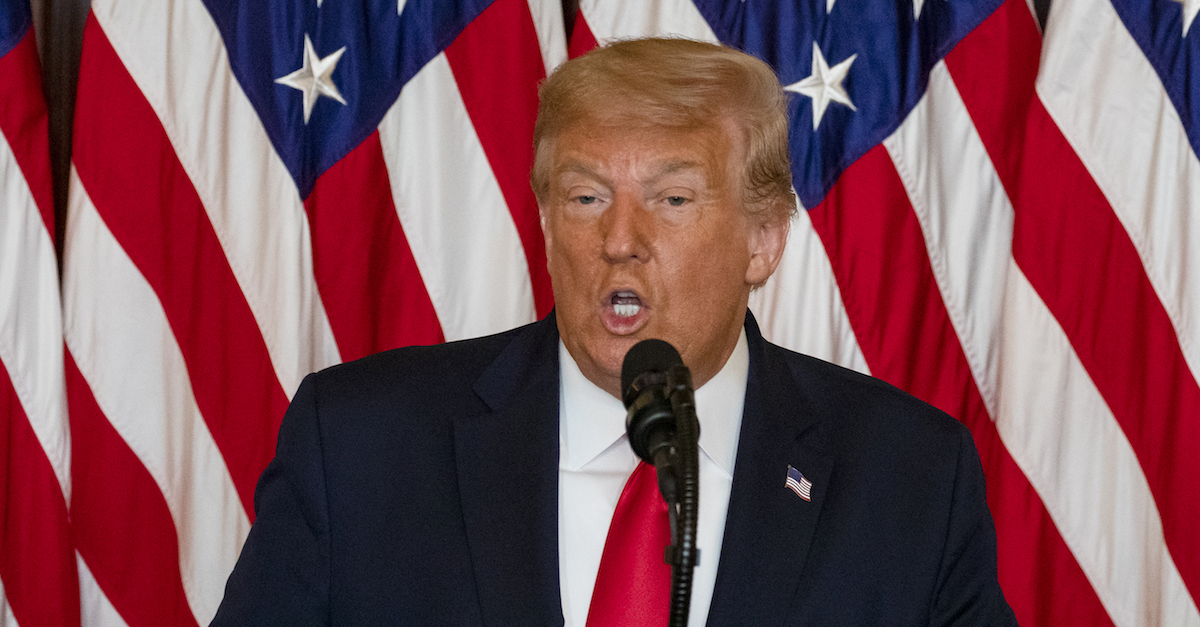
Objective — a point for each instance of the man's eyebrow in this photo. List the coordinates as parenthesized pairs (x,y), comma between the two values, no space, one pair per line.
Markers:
(671,167)
(668,168)
(675,167)
(575,166)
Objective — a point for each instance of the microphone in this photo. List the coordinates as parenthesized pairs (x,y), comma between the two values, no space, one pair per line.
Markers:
(661,423)
(650,422)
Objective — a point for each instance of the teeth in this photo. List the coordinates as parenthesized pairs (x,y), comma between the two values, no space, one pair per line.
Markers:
(626,310)
(626,304)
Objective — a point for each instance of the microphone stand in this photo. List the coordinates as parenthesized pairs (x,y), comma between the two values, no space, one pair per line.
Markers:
(679,482)
(663,431)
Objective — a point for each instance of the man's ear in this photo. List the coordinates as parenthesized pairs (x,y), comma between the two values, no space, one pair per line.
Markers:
(767,241)
(542,213)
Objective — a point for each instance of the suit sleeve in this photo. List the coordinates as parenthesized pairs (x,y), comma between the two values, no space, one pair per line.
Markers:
(968,590)
(282,575)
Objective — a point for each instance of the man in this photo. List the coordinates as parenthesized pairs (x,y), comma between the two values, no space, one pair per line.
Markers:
(473,483)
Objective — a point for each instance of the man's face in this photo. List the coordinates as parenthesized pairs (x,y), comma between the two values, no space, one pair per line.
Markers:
(646,238)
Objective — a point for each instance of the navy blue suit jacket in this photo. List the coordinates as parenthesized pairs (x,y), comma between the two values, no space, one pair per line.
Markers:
(420,487)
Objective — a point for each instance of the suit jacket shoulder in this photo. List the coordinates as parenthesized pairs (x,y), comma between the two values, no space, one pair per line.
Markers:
(413,483)
(422,483)
(896,529)
(422,376)
(851,400)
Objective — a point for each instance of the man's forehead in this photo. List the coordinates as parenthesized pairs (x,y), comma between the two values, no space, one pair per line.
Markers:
(653,169)
(656,151)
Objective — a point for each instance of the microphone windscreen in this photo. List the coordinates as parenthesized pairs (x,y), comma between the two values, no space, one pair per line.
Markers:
(647,356)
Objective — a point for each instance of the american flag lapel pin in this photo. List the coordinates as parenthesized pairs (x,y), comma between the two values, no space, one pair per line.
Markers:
(796,482)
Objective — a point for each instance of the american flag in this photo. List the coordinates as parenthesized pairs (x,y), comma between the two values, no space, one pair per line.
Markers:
(998,220)
(37,558)
(798,483)
(260,191)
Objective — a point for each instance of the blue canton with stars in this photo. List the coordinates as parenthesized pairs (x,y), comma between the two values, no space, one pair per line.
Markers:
(893,52)
(868,68)
(15,19)
(383,50)
(874,56)
(1167,32)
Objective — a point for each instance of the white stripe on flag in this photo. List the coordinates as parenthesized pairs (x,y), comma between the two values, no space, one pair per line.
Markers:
(552,38)
(609,19)
(6,616)
(1049,414)
(175,54)
(801,307)
(965,217)
(95,608)
(125,349)
(31,345)
(1062,435)
(459,229)
(1109,103)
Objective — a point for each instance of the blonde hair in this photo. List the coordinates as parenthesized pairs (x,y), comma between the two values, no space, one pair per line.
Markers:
(674,83)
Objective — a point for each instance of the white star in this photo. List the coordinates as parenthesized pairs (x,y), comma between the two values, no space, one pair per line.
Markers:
(400,6)
(917,4)
(829,6)
(1190,9)
(824,84)
(313,77)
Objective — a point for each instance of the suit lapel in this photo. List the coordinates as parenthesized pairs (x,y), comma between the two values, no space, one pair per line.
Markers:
(769,529)
(508,481)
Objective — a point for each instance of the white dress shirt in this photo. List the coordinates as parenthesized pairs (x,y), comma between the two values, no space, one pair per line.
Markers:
(595,461)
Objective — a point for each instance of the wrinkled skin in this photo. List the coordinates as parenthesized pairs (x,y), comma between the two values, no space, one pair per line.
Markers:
(646,238)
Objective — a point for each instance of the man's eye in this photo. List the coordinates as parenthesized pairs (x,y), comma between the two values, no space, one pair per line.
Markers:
(676,201)
(585,200)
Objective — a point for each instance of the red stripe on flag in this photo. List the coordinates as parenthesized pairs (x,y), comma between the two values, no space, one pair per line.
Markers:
(24,123)
(1078,257)
(1041,580)
(878,254)
(123,527)
(582,39)
(140,189)
(369,281)
(497,64)
(37,556)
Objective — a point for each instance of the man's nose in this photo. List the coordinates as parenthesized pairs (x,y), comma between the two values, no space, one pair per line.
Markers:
(626,226)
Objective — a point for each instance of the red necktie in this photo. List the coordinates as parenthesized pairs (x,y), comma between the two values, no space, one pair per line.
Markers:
(633,585)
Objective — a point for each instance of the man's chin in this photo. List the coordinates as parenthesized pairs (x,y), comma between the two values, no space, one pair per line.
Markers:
(601,364)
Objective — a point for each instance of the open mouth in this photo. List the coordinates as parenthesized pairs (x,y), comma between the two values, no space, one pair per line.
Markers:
(626,304)
(624,312)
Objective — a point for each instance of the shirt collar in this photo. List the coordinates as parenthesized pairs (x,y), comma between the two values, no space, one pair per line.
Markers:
(591,420)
